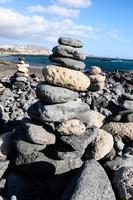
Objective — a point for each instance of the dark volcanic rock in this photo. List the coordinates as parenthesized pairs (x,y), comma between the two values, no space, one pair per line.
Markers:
(92,183)
(57,112)
(78,143)
(51,94)
(123,182)
(70,42)
(68,62)
(69,52)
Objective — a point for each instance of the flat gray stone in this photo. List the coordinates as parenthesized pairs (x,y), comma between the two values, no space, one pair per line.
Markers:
(57,112)
(37,134)
(52,94)
(70,42)
(91,184)
(69,52)
(27,148)
(68,62)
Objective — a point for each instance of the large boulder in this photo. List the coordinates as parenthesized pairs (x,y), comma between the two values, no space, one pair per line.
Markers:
(123,182)
(69,52)
(70,42)
(91,183)
(68,62)
(51,94)
(57,112)
(67,78)
(125,130)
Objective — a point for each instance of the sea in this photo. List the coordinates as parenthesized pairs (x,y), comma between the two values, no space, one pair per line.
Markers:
(107,64)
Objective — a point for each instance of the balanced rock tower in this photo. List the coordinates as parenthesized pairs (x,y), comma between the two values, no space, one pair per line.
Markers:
(59,103)
(22,68)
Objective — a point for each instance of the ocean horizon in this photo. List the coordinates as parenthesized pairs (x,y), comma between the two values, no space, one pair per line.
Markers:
(107,64)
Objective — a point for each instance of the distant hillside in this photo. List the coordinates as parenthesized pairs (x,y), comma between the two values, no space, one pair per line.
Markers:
(24,50)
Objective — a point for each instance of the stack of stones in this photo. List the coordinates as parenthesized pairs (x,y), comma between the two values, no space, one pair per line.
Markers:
(97,80)
(59,103)
(22,68)
(21,78)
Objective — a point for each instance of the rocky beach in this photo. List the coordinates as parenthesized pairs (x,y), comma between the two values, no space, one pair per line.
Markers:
(66,133)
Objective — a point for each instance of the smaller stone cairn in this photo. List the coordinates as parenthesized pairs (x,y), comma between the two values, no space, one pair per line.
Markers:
(97,80)
(22,68)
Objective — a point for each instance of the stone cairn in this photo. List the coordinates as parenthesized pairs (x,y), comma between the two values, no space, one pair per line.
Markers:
(22,68)
(61,126)
(97,79)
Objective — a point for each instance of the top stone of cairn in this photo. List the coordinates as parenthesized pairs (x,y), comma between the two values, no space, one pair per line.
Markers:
(70,42)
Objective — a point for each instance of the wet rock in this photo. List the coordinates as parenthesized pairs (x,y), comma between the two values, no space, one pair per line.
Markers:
(68,62)
(70,42)
(71,127)
(67,78)
(89,184)
(51,94)
(69,52)
(57,112)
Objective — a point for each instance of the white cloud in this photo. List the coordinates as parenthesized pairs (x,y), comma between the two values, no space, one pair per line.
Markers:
(38,29)
(115,34)
(5,1)
(54,9)
(75,3)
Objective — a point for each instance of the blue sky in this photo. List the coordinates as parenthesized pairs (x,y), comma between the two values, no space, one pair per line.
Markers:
(104,26)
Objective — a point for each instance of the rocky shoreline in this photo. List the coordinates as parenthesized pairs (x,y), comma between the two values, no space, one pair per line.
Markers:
(68,135)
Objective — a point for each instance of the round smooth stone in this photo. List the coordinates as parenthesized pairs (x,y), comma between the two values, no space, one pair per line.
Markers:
(52,94)
(97,78)
(69,52)
(68,62)
(70,42)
